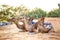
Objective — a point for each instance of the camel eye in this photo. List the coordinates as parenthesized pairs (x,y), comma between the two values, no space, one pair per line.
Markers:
(21,23)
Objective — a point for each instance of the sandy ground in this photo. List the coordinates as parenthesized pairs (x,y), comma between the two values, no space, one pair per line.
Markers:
(12,33)
(29,36)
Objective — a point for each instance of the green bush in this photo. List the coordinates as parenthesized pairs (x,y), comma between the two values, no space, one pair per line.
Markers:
(54,13)
(37,13)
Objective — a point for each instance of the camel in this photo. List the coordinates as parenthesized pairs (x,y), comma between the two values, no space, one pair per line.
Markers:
(20,23)
(39,26)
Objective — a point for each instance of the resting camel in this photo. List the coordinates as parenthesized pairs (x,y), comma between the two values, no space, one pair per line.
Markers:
(39,26)
(20,23)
